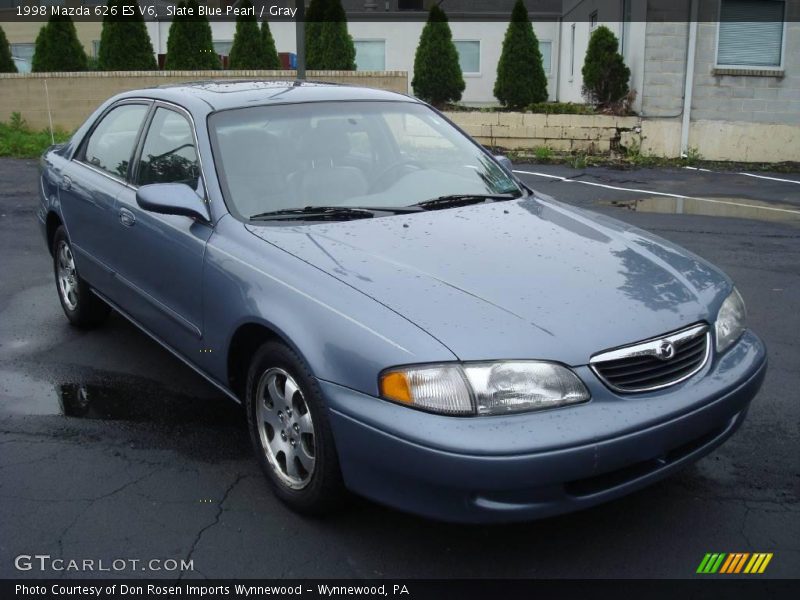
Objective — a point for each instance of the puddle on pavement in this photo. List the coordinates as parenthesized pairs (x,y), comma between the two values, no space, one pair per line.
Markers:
(715,207)
(115,399)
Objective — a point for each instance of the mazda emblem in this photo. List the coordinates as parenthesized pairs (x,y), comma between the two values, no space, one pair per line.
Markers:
(665,350)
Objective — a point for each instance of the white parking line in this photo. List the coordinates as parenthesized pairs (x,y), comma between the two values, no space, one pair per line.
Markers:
(654,193)
(771,178)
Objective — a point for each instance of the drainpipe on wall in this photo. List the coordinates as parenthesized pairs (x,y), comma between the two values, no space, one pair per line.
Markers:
(557,97)
(688,86)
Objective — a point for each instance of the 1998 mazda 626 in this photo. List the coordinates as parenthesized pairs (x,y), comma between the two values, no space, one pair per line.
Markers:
(400,315)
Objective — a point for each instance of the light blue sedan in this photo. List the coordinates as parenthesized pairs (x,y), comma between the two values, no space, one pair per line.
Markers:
(400,315)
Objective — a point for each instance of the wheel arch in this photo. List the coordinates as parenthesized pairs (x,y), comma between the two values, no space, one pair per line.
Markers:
(52,223)
(248,337)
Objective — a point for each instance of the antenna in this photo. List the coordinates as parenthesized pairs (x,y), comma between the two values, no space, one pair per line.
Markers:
(49,114)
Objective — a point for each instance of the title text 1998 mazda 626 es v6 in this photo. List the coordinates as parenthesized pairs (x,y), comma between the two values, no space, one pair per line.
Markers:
(400,315)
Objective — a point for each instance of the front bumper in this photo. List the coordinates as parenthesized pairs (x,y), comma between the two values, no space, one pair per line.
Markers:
(527,466)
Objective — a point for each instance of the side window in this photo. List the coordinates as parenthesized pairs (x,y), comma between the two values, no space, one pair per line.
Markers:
(169,154)
(111,143)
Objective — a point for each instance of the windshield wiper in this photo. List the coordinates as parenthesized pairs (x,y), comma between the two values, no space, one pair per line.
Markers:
(332,212)
(463,200)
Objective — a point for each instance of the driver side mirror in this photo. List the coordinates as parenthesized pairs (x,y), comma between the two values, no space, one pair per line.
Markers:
(172,199)
(505,162)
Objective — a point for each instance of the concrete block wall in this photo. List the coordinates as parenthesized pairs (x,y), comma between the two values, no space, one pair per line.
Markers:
(561,133)
(665,68)
(73,96)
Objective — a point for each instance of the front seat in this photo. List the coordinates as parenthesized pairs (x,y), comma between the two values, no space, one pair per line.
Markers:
(324,181)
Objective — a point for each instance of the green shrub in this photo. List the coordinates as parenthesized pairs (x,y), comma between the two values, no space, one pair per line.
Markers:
(561,108)
(271,58)
(437,73)
(124,42)
(520,75)
(247,51)
(543,153)
(6,62)
(605,76)
(17,140)
(58,48)
(338,53)
(189,45)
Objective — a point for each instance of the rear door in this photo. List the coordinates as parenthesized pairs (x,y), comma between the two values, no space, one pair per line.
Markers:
(159,258)
(92,181)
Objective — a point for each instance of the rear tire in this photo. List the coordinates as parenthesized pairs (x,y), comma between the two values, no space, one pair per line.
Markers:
(291,433)
(82,307)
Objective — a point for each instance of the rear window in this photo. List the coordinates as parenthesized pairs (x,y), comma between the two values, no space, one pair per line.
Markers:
(110,145)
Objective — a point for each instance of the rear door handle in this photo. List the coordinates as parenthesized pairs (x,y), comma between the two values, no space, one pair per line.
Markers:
(126,217)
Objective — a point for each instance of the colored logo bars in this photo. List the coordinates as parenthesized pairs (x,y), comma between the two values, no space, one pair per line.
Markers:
(734,563)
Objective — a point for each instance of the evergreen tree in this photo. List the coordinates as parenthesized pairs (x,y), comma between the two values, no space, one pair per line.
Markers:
(247,51)
(273,61)
(437,73)
(124,42)
(338,51)
(58,48)
(189,45)
(520,75)
(315,16)
(6,62)
(176,41)
(605,76)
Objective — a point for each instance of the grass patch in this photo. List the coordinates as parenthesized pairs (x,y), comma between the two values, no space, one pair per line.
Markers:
(18,140)
(561,108)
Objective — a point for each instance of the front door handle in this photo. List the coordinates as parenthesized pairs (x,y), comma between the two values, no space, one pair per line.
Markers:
(126,217)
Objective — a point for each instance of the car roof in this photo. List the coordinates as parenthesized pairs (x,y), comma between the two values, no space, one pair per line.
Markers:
(224,94)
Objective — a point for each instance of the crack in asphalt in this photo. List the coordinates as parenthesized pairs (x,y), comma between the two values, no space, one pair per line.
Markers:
(91,502)
(220,510)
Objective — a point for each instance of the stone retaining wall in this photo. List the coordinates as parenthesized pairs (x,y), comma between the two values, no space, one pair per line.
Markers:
(73,96)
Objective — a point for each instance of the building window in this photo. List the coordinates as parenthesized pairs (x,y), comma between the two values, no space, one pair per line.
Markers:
(546,48)
(469,56)
(626,25)
(751,33)
(592,21)
(370,55)
(23,56)
(223,47)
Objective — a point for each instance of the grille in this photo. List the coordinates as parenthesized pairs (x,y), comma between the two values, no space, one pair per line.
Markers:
(655,363)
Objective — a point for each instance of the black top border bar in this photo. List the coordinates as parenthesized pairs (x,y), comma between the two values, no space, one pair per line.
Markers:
(634,11)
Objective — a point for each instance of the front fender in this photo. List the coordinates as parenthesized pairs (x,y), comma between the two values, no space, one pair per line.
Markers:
(343,335)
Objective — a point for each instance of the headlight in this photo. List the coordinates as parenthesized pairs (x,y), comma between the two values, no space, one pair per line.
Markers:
(730,321)
(483,388)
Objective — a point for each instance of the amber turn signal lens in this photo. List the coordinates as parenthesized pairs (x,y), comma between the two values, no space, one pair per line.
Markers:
(394,386)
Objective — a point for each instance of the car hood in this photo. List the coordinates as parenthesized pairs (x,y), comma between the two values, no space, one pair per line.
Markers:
(529,278)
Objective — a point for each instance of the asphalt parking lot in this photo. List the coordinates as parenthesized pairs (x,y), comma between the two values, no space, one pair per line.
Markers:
(111,448)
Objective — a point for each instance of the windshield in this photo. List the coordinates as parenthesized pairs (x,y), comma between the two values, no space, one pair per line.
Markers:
(350,154)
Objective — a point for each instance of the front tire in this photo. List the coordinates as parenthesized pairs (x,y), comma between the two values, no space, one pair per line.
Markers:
(291,433)
(82,307)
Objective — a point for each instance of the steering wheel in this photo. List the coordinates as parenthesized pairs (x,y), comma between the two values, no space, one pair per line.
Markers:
(399,164)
